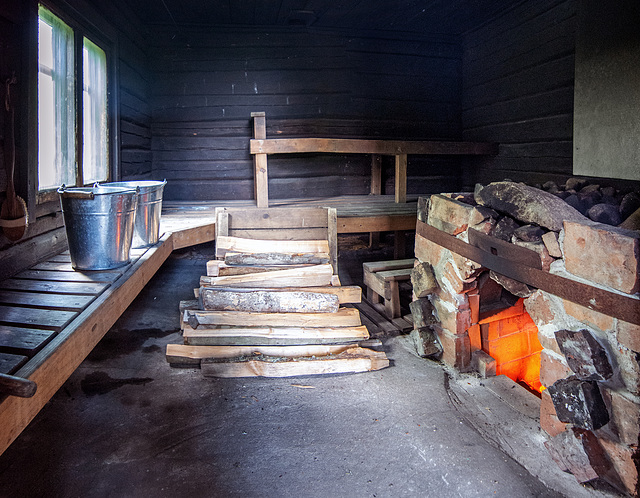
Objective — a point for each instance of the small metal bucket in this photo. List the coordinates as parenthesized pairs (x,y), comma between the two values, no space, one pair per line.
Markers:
(147,225)
(99,224)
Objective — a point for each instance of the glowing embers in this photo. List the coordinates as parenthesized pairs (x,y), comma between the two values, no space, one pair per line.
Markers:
(511,338)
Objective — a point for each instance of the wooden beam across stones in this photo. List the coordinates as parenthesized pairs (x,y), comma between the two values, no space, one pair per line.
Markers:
(312,276)
(350,361)
(274,335)
(344,317)
(269,301)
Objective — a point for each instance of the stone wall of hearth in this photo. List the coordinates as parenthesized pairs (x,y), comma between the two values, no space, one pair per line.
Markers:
(590,362)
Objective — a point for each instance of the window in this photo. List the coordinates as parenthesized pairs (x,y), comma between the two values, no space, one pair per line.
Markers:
(68,152)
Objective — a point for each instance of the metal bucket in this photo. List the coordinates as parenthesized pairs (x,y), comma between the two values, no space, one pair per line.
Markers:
(147,225)
(99,224)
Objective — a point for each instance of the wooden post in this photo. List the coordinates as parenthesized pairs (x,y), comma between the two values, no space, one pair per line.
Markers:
(401,178)
(261,177)
(401,196)
(376,189)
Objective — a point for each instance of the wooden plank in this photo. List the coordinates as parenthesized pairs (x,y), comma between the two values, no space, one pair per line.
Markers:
(376,223)
(260,167)
(376,174)
(359,146)
(353,360)
(394,275)
(268,301)
(621,306)
(23,341)
(376,285)
(344,317)
(276,217)
(184,354)
(36,318)
(312,276)
(92,289)
(53,365)
(68,276)
(275,259)
(274,335)
(236,244)
(66,302)
(401,178)
(10,363)
(393,264)
(346,294)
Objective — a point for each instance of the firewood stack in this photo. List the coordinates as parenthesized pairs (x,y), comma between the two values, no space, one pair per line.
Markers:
(273,308)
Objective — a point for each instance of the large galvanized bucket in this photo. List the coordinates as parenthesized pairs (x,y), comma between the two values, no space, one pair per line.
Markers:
(99,224)
(147,226)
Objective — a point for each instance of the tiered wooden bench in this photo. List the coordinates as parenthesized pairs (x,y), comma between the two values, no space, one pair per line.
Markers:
(382,281)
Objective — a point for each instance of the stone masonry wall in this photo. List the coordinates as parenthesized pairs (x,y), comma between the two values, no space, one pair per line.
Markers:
(590,362)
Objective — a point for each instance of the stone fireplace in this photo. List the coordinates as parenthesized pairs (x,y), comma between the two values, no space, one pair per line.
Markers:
(525,288)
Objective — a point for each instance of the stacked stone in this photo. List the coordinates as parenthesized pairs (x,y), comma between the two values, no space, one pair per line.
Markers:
(591,409)
(591,361)
(602,204)
(454,277)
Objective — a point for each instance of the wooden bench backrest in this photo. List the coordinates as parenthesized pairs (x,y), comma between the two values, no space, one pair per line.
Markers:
(311,223)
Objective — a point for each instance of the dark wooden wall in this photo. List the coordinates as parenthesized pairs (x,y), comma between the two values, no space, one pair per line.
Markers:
(518,91)
(206,83)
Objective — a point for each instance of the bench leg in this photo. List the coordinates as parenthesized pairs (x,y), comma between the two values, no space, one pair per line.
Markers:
(392,306)
(373,297)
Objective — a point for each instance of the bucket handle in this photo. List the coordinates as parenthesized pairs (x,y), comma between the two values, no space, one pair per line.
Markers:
(75,194)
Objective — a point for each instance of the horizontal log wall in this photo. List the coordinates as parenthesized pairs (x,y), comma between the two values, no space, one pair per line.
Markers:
(518,90)
(310,83)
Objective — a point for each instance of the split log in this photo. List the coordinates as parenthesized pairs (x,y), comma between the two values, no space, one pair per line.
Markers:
(348,294)
(344,317)
(263,336)
(218,268)
(275,259)
(350,361)
(311,276)
(221,299)
(186,355)
(226,244)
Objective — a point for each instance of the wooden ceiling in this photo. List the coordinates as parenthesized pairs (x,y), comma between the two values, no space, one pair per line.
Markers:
(400,16)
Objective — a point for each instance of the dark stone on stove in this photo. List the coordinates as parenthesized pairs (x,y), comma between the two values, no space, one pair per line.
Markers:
(590,199)
(608,191)
(575,183)
(528,204)
(584,354)
(607,199)
(563,194)
(529,233)
(574,201)
(605,213)
(589,188)
(504,229)
(513,286)
(551,187)
(629,203)
(579,402)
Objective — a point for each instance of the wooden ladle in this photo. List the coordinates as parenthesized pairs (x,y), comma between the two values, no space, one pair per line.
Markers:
(13,213)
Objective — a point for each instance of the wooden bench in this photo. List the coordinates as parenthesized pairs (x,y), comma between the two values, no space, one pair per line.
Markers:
(381,279)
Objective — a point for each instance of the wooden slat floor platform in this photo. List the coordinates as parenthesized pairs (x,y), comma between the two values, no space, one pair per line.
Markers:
(51,316)
(356,213)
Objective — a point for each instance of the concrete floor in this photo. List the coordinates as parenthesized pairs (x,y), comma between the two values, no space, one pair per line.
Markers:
(127,425)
